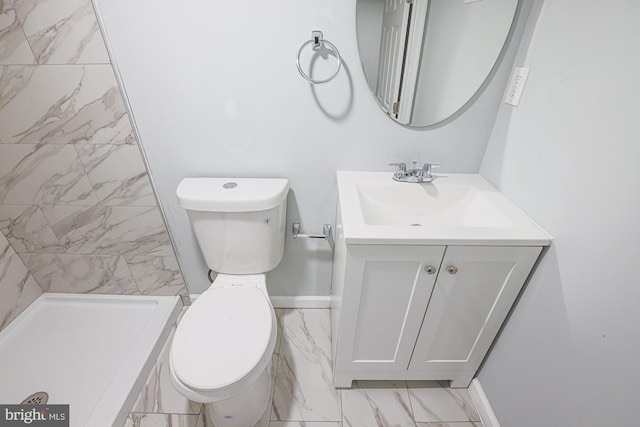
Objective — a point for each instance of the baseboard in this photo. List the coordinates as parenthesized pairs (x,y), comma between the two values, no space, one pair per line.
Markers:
(293,301)
(485,410)
(301,301)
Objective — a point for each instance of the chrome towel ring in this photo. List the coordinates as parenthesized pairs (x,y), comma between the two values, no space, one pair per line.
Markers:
(317,43)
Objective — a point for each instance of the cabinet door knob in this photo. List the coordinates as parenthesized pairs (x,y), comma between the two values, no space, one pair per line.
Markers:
(452,269)
(430,269)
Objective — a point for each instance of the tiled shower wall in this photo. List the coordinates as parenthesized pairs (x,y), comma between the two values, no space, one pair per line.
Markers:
(77,211)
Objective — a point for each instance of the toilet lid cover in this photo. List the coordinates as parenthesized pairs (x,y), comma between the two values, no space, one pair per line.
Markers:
(222,337)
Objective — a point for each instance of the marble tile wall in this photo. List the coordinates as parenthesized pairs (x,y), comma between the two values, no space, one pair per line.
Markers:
(18,288)
(77,211)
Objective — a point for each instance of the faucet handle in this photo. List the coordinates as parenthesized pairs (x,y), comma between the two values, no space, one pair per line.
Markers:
(402,167)
(426,168)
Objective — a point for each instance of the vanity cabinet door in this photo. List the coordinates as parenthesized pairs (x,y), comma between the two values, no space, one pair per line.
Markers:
(385,294)
(475,289)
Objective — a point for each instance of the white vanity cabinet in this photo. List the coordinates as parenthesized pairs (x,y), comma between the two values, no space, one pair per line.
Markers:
(424,275)
(420,312)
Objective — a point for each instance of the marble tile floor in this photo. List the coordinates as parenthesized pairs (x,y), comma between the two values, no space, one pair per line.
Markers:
(303,395)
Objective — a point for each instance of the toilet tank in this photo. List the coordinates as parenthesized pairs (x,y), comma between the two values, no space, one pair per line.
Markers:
(239,223)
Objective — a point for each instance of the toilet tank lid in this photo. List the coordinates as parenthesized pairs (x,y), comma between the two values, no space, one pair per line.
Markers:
(231,194)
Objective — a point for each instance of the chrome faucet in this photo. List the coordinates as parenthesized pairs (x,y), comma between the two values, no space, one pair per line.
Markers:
(418,175)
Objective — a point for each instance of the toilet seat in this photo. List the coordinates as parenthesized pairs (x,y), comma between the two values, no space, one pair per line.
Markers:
(224,340)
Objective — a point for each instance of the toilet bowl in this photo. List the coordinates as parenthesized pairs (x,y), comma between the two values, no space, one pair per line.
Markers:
(222,348)
(227,366)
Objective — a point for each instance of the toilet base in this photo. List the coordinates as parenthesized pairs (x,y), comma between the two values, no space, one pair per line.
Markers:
(245,408)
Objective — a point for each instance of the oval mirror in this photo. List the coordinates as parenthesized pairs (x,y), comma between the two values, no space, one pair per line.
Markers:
(425,59)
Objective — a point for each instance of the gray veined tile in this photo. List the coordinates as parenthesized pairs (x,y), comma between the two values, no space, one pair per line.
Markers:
(62,31)
(12,80)
(47,174)
(304,387)
(204,420)
(266,417)
(434,402)
(304,424)
(117,174)
(161,420)
(127,230)
(62,104)
(14,48)
(5,248)
(81,273)
(17,287)
(157,275)
(377,403)
(279,321)
(27,229)
(452,424)
(159,395)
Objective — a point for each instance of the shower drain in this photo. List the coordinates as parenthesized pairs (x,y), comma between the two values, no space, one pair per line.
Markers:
(38,398)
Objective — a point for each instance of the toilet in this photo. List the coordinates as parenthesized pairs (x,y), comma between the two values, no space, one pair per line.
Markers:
(222,347)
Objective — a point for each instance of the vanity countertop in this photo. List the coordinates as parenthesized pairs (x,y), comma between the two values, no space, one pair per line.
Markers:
(460,209)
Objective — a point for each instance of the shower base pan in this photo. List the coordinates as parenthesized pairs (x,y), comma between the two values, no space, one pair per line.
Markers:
(92,352)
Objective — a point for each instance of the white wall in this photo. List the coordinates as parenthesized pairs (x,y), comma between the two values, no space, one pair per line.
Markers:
(569,156)
(214,91)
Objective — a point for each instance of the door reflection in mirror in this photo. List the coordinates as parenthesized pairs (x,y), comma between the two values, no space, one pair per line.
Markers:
(425,59)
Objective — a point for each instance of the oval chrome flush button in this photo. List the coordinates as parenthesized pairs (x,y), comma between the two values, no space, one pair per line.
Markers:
(229,185)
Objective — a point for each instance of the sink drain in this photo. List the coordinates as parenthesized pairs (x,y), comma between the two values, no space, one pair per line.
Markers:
(415,225)
(38,398)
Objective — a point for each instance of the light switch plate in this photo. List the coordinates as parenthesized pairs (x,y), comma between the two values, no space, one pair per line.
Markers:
(516,85)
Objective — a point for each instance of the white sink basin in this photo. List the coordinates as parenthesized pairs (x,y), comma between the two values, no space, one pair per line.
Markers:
(425,204)
(461,207)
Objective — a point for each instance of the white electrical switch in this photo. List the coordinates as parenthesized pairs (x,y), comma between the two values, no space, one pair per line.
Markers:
(516,85)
